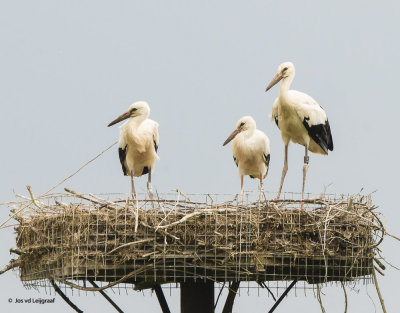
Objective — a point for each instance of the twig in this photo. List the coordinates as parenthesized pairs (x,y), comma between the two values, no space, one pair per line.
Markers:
(16,251)
(66,299)
(33,197)
(14,215)
(380,264)
(393,236)
(378,291)
(91,199)
(345,297)
(131,244)
(11,265)
(186,217)
(379,271)
(79,169)
(116,282)
(182,194)
(319,299)
(387,262)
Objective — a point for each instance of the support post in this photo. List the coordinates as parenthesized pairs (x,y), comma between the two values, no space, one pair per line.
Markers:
(197,297)
(231,297)
(106,297)
(65,298)
(283,296)
(161,299)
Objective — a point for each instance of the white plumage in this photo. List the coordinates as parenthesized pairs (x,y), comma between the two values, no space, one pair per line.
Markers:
(251,151)
(300,119)
(138,142)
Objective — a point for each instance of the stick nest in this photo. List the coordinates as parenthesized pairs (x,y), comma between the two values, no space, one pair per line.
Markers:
(148,242)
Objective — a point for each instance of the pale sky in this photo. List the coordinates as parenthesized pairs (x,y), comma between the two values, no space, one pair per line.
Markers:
(67,68)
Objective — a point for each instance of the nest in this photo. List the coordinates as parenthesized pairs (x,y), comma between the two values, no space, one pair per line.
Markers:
(147,242)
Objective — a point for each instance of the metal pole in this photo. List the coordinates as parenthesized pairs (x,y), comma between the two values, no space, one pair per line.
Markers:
(66,299)
(283,296)
(106,297)
(197,297)
(161,299)
(231,297)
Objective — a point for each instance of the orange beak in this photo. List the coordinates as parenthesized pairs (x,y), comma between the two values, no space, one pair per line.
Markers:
(120,118)
(274,81)
(231,136)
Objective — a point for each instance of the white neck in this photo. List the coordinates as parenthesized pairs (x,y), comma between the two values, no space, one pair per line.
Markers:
(285,85)
(248,132)
(137,120)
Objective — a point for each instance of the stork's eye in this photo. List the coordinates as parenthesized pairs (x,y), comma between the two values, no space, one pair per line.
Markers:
(241,124)
(285,69)
(133,110)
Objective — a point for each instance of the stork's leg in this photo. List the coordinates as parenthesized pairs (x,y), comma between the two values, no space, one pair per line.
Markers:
(284,171)
(149,187)
(305,168)
(262,197)
(133,186)
(241,189)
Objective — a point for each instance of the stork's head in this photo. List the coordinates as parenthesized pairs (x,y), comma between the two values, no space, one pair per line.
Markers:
(138,109)
(245,124)
(285,70)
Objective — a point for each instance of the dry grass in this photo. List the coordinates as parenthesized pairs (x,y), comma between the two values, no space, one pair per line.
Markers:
(147,242)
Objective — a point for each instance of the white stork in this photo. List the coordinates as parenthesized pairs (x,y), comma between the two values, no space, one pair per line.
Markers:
(138,143)
(300,119)
(251,152)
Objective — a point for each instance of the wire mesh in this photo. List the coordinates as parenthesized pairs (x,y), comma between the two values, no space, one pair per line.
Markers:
(109,238)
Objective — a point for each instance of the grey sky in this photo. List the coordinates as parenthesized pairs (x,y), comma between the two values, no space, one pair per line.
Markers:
(67,68)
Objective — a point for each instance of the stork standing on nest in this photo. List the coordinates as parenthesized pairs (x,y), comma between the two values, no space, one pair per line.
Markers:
(138,143)
(300,119)
(251,152)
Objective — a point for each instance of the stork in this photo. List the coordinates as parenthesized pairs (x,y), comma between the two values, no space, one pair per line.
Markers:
(251,152)
(300,119)
(138,143)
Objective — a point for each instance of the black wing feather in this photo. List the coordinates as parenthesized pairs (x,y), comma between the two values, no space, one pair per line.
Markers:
(266,160)
(321,134)
(155,145)
(122,158)
(145,170)
(234,160)
(276,120)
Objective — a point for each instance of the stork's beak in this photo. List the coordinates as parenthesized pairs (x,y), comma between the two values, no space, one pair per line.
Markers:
(120,118)
(231,136)
(274,81)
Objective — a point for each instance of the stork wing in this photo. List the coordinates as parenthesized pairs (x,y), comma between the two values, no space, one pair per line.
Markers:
(155,135)
(275,112)
(122,148)
(263,144)
(314,120)
(235,160)
(266,158)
